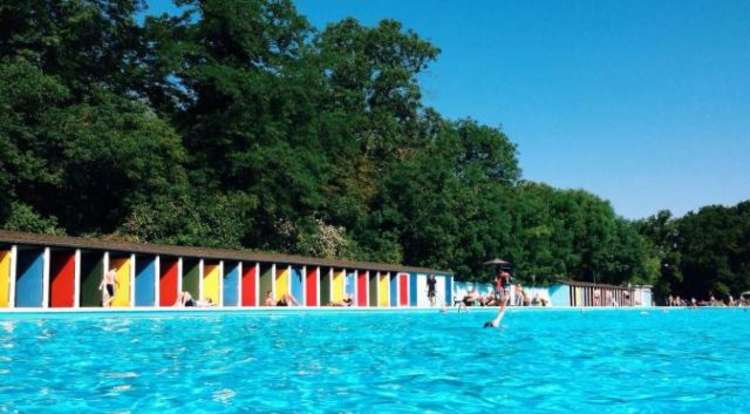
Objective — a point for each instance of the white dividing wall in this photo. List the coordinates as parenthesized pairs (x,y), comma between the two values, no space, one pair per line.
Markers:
(13,266)
(46,277)
(77,280)
(440,290)
(200,279)
(132,281)
(157,279)
(422,299)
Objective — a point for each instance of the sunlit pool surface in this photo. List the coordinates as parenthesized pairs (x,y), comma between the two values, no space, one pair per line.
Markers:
(675,361)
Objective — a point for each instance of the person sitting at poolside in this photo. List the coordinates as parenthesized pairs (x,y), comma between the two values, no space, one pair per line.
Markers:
(731,301)
(535,301)
(525,299)
(345,302)
(493,299)
(713,302)
(471,298)
(458,301)
(205,303)
(487,300)
(460,305)
(268,301)
(107,286)
(185,299)
(520,295)
(287,300)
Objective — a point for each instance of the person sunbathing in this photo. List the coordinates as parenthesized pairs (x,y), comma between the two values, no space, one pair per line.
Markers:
(535,301)
(268,301)
(184,299)
(205,303)
(345,302)
(471,298)
(489,299)
(287,300)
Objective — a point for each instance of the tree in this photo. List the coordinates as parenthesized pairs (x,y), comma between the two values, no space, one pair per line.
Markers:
(82,165)
(237,124)
(80,42)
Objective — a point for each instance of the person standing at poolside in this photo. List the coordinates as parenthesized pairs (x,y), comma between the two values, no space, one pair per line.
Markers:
(521,299)
(502,286)
(431,282)
(109,282)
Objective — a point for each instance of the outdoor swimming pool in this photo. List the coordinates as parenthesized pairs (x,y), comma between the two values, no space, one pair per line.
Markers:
(553,361)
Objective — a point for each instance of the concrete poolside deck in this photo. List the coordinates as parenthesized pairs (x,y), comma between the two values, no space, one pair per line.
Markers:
(305,309)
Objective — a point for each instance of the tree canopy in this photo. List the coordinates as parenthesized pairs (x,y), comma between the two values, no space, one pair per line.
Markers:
(238,124)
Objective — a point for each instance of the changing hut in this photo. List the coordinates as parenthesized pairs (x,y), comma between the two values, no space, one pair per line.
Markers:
(42,271)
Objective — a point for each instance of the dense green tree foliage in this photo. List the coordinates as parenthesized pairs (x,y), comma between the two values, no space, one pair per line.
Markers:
(703,253)
(238,124)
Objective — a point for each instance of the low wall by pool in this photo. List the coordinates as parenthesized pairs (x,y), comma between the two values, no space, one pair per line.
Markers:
(573,294)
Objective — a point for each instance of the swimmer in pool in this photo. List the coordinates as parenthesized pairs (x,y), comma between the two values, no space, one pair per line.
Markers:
(502,281)
(498,318)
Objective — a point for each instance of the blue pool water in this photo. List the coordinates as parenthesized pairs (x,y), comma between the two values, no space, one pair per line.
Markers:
(695,361)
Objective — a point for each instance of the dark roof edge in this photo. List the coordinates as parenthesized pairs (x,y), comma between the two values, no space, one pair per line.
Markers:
(15,237)
(576,283)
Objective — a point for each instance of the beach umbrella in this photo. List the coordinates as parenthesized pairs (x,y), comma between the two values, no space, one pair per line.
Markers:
(498,262)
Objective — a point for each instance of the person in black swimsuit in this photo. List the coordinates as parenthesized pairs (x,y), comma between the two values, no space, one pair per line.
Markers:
(109,280)
(185,299)
(431,282)
(287,300)
(347,301)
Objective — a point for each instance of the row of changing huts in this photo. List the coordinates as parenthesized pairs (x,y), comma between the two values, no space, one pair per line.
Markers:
(42,271)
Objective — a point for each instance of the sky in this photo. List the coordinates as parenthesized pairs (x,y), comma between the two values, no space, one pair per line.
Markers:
(644,103)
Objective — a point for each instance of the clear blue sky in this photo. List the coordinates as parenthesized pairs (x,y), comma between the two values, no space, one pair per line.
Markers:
(645,103)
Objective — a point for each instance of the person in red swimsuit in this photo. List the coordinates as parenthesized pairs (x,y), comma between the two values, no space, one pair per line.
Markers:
(502,286)
(502,289)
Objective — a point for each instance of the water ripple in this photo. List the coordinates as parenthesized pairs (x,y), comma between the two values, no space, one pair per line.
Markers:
(584,362)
